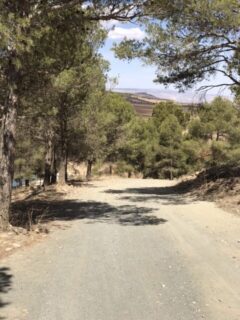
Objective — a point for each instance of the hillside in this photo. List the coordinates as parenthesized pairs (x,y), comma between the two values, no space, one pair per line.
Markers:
(142,102)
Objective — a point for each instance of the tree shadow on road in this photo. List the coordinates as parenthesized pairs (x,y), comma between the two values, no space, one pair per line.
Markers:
(91,211)
(167,195)
(5,285)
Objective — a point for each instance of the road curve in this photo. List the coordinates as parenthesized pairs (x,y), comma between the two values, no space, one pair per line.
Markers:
(130,250)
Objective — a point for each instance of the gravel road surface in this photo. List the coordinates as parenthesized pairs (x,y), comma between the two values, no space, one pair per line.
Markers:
(128,249)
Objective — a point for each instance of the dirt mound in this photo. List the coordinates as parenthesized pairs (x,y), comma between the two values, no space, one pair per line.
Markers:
(219,184)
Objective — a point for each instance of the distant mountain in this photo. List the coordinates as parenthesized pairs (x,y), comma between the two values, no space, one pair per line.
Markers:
(190,97)
(147,96)
(142,105)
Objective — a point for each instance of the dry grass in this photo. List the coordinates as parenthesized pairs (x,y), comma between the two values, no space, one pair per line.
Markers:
(27,225)
(224,191)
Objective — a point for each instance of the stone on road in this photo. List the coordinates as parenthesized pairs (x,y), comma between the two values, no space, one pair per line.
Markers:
(130,250)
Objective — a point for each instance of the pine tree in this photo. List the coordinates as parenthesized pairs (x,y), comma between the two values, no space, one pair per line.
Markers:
(22,22)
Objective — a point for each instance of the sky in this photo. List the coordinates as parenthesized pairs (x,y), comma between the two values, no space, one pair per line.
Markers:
(136,75)
(130,74)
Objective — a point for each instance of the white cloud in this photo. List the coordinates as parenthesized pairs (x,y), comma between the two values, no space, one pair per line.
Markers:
(110,23)
(119,33)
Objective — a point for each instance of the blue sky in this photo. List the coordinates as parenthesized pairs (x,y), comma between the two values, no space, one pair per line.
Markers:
(130,74)
(135,74)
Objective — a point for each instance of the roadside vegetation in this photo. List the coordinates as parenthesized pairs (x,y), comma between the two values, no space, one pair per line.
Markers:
(174,142)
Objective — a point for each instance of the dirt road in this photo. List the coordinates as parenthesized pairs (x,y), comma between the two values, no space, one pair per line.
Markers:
(131,250)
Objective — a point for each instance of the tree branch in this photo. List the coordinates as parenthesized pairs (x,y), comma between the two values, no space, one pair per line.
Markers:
(209,87)
(229,76)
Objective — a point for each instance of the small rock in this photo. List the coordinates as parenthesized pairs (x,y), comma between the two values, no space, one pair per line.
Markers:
(163,285)
(10,233)
(24,231)
(19,230)
(16,245)
(8,249)
(25,311)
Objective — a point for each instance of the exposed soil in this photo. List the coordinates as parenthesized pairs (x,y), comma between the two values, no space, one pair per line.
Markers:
(132,249)
(225,192)
(26,219)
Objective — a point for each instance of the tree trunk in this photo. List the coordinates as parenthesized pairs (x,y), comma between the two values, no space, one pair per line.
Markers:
(110,169)
(47,173)
(89,169)
(171,170)
(62,178)
(50,163)
(7,147)
(64,142)
(53,170)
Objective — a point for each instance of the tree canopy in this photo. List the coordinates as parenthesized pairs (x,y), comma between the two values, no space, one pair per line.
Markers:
(44,44)
(188,41)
